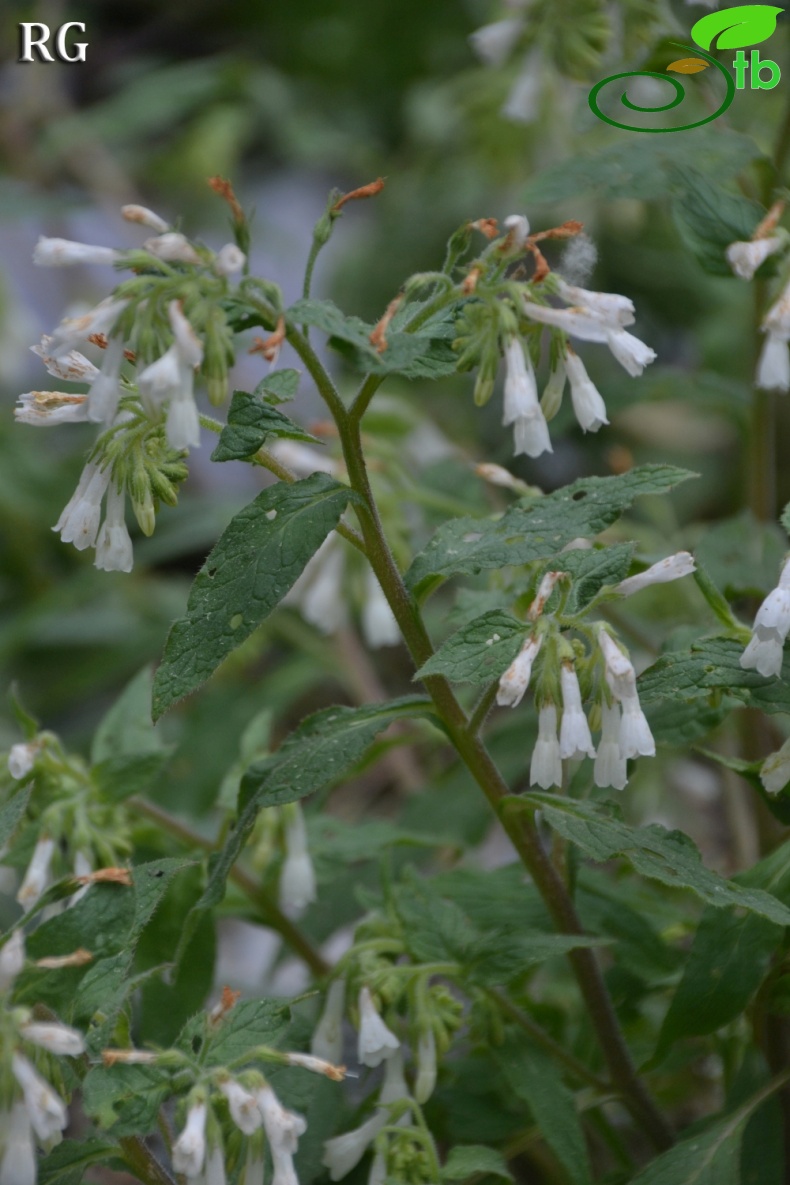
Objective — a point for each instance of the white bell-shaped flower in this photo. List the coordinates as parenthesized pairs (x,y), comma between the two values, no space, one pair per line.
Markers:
(515,681)
(45,1108)
(66,252)
(114,551)
(36,877)
(674,567)
(636,738)
(105,390)
(327,1040)
(343,1153)
(17,1146)
(189,1150)
(588,406)
(12,959)
(54,1037)
(21,759)
(575,738)
(297,878)
(79,520)
(493,43)
(773,366)
(546,766)
(74,330)
(376,1041)
(610,767)
(283,1128)
(522,406)
(745,257)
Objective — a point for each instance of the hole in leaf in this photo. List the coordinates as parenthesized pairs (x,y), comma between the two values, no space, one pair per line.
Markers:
(577,497)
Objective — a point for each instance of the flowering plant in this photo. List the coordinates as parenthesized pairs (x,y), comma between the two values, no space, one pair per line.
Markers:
(539,980)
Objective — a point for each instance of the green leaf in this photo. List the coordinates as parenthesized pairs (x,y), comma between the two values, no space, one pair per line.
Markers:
(713,665)
(534,1078)
(12,812)
(119,777)
(125,1099)
(251,420)
(741,555)
(251,1023)
(66,1163)
(733,28)
(666,856)
(726,965)
(257,560)
(480,651)
(278,387)
(679,722)
(469,1160)
(636,167)
(535,528)
(427,354)
(710,217)
(317,753)
(590,571)
(126,729)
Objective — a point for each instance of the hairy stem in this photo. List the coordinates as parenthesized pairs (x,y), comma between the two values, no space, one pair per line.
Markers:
(142,1162)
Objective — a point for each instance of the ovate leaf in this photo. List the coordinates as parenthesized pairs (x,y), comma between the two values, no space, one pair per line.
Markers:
(710,217)
(666,856)
(479,652)
(251,421)
(257,560)
(470,1160)
(733,28)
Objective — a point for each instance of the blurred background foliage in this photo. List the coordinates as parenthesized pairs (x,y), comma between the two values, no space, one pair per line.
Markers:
(289,101)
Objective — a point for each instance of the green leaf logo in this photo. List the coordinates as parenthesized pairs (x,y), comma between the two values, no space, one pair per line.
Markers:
(748,24)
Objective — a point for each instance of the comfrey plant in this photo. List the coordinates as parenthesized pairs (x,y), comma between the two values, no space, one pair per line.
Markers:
(492,1039)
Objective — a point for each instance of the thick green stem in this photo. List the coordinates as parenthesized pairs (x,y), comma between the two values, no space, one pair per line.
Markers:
(142,1162)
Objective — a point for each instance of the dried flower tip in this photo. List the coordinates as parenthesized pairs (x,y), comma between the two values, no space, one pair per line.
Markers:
(487,226)
(172,247)
(77,958)
(229,260)
(64,252)
(566,230)
(225,190)
(44,408)
(73,367)
(128,1057)
(470,280)
(378,337)
(12,959)
(270,346)
(771,220)
(672,568)
(226,1002)
(542,268)
(21,759)
(115,876)
(317,1065)
(145,217)
(545,589)
(365,191)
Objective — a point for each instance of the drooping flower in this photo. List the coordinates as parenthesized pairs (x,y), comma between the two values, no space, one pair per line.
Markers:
(546,766)
(65,252)
(74,330)
(229,260)
(12,959)
(632,354)
(189,1150)
(745,257)
(21,759)
(105,390)
(773,368)
(775,770)
(45,1108)
(771,626)
(343,1153)
(145,217)
(79,520)
(618,668)
(515,681)
(54,1037)
(588,406)
(183,425)
(523,103)
(672,568)
(610,307)
(215,1167)
(610,767)
(636,739)
(172,247)
(493,43)
(36,878)
(113,543)
(17,1146)
(283,1128)
(602,322)
(297,878)
(522,407)
(376,1041)
(426,1066)
(242,1105)
(327,1039)
(378,621)
(575,738)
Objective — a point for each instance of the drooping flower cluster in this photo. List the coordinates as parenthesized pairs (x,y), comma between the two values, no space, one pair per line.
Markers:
(765,650)
(608,673)
(155,332)
(506,317)
(768,238)
(33,1110)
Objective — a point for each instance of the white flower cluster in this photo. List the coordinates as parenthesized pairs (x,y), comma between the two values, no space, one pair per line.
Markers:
(493,44)
(624,729)
(34,1109)
(771,626)
(166,385)
(590,316)
(773,367)
(198,1151)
